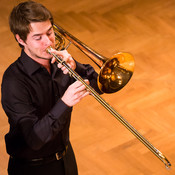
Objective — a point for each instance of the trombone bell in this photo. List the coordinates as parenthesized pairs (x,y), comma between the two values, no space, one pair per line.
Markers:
(115,72)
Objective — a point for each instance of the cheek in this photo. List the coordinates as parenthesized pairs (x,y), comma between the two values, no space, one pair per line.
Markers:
(38,46)
(32,44)
(53,40)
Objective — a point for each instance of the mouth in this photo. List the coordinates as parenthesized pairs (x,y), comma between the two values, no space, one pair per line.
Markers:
(48,49)
(45,55)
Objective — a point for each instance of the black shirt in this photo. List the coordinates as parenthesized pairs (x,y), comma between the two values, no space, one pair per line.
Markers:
(31,97)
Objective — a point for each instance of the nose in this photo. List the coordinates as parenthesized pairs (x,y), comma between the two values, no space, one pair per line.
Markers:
(47,41)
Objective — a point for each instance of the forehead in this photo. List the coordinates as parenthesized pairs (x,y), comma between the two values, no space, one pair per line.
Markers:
(40,27)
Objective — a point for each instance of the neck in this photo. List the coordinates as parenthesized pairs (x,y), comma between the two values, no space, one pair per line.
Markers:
(44,62)
(47,66)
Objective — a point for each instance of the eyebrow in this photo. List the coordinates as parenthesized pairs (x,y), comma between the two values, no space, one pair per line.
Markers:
(39,34)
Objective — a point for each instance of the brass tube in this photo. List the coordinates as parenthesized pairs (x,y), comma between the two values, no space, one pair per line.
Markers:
(154,150)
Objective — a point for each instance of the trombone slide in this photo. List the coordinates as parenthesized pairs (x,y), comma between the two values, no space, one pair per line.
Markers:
(74,74)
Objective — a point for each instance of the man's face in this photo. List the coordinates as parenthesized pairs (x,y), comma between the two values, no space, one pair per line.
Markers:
(41,36)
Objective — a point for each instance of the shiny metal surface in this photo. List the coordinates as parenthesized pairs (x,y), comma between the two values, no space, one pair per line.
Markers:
(115,73)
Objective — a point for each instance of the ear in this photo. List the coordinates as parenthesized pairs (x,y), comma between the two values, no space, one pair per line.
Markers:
(20,41)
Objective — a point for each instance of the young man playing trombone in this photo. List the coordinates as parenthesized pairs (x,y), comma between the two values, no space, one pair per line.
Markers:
(38,96)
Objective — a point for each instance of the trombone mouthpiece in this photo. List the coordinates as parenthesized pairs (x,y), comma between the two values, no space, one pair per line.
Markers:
(49,49)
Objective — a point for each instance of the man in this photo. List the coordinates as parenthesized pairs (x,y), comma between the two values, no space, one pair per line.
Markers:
(38,95)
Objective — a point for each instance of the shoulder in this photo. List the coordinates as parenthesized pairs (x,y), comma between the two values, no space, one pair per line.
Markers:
(12,68)
(12,74)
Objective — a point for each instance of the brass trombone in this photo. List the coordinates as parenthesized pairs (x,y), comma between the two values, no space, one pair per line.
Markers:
(114,75)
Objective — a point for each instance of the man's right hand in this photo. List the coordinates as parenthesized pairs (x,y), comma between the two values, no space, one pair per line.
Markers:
(74,93)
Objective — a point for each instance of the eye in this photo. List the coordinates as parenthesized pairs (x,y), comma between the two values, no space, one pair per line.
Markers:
(38,38)
(49,33)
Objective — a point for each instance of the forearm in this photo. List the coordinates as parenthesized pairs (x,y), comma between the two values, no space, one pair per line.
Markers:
(36,130)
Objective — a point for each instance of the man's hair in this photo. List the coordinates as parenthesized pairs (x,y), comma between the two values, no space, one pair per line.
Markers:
(25,13)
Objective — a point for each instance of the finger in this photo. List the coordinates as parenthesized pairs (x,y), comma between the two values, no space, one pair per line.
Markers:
(87,81)
(79,84)
(72,64)
(76,84)
(62,53)
(53,60)
(59,65)
(65,70)
(83,94)
(81,88)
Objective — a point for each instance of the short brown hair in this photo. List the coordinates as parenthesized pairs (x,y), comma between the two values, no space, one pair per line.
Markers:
(25,13)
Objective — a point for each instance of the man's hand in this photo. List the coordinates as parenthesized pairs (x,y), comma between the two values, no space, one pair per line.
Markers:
(74,93)
(66,57)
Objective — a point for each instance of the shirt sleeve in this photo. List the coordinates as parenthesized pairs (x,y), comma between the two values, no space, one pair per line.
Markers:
(86,71)
(25,122)
(23,117)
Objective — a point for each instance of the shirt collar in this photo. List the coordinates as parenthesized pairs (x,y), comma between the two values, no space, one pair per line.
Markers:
(30,65)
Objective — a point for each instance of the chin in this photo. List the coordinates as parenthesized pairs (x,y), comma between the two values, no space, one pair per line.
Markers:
(45,56)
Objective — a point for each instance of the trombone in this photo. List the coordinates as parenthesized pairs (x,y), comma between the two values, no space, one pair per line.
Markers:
(114,75)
